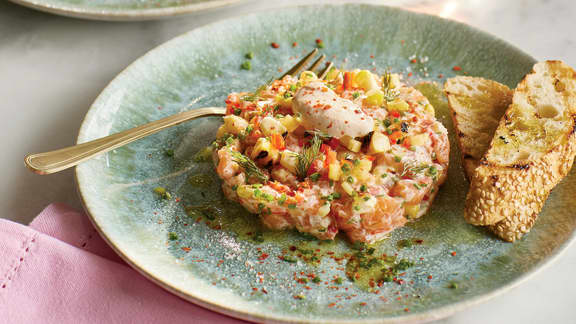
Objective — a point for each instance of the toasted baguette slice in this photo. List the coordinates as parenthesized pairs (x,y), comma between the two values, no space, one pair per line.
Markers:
(532,150)
(477,105)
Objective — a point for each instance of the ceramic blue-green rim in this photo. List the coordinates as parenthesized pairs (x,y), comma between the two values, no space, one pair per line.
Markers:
(430,315)
(123,14)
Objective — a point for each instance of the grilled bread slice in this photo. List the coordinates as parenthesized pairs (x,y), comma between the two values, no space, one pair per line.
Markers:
(532,150)
(477,105)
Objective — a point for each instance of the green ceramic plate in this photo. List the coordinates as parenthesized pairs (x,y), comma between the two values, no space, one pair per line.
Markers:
(123,9)
(217,260)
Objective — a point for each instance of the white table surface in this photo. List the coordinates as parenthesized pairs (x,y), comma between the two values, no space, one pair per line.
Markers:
(52,68)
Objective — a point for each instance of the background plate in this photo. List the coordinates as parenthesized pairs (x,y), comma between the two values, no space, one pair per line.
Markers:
(123,9)
(223,269)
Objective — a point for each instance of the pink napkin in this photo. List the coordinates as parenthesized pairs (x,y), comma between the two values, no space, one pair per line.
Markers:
(59,270)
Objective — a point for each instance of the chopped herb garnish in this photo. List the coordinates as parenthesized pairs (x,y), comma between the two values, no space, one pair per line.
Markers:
(247,65)
(282,199)
(172,236)
(316,280)
(309,154)
(235,187)
(292,206)
(404,264)
(315,176)
(349,179)
(397,158)
(251,169)
(169,153)
(355,95)
(338,281)
(162,192)
(404,244)
(345,167)
(237,111)
(453,285)
(389,93)
(249,55)
(363,188)
(289,258)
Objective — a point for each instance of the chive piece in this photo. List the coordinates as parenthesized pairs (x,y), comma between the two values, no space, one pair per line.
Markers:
(162,192)
(315,176)
(316,280)
(246,65)
(289,259)
(172,236)
(292,206)
(169,153)
(363,188)
(282,199)
(249,55)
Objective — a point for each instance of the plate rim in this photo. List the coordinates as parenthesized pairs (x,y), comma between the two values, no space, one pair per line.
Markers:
(124,14)
(429,315)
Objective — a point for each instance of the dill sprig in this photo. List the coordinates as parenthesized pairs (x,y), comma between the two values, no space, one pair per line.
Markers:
(256,95)
(308,155)
(413,169)
(389,93)
(251,169)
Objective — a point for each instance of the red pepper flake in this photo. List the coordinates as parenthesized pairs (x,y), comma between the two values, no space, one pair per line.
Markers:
(254,289)
(421,259)
(263,256)
(440,76)
(429,277)
(186,249)
(318,41)
(410,74)
(402,42)
(292,248)
(456,68)
(264,290)
(406,309)
(274,45)
(363,304)
(419,241)
(453,253)
(413,61)
(371,56)
(331,305)
(294,44)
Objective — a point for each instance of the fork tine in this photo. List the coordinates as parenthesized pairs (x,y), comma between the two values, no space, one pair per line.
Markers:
(317,63)
(327,69)
(296,68)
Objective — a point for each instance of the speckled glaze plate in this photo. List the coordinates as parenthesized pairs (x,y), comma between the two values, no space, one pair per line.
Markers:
(124,10)
(215,261)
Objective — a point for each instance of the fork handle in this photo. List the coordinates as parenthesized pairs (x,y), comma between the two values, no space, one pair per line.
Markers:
(58,160)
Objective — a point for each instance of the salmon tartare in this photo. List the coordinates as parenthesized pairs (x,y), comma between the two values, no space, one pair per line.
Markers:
(356,152)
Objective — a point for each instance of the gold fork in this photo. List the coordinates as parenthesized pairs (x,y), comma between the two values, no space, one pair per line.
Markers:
(58,160)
